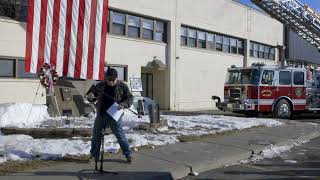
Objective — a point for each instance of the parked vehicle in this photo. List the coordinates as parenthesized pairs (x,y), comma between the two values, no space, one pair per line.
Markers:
(271,89)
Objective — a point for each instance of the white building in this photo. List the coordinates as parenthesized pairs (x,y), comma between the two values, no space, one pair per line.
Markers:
(195,40)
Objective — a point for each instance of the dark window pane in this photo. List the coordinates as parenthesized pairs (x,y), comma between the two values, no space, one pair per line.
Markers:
(218,39)
(298,78)
(192,42)
(202,39)
(118,29)
(147,34)
(267,77)
(192,33)
(240,47)
(183,40)
(159,36)
(133,21)
(147,24)
(133,31)
(266,52)
(285,78)
(210,37)
(226,44)
(183,31)
(233,43)
(160,26)
(218,47)
(118,18)
(7,68)
(21,71)
(261,51)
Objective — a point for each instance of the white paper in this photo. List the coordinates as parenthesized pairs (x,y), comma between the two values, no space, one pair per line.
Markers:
(114,112)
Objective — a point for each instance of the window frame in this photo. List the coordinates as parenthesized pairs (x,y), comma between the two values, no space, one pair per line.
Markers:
(281,84)
(294,78)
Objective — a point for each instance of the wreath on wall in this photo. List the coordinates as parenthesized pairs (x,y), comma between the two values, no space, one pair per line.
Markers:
(48,76)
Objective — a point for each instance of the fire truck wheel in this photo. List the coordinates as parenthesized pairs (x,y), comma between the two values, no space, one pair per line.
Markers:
(282,110)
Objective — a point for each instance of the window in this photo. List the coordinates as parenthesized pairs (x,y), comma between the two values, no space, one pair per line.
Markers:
(118,26)
(233,44)
(15,9)
(183,37)
(122,71)
(285,78)
(272,54)
(160,31)
(210,39)
(240,47)
(267,77)
(21,70)
(226,44)
(133,26)
(255,50)
(147,25)
(298,78)
(218,42)
(266,52)
(261,51)
(201,39)
(7,68)
(192,37)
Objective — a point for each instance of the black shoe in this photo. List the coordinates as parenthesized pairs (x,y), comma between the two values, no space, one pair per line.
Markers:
(129,159)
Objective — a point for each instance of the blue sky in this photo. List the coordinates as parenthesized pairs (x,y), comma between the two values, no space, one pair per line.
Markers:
(315,4)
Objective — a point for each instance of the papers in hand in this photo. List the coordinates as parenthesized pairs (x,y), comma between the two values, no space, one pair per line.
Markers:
(114,111)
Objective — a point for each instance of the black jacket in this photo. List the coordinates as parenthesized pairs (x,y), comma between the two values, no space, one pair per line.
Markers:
(122,95)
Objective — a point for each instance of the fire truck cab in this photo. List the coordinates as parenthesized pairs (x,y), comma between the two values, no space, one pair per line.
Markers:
(281,91)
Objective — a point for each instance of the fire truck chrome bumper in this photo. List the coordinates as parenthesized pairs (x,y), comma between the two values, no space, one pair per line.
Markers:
(235,107)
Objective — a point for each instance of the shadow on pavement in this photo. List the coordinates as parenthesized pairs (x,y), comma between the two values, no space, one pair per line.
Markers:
(90,174)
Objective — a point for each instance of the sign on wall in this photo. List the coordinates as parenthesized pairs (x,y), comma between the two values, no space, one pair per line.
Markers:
(136,84)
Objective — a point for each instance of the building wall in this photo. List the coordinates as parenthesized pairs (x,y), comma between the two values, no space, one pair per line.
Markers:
(192,75)
(201,74)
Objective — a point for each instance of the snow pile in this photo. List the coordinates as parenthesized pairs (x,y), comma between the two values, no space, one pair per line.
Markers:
(272,152)
(22,147)
(16,115)
(210,124)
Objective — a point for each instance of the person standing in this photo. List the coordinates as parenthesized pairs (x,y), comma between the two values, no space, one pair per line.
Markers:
(106,93)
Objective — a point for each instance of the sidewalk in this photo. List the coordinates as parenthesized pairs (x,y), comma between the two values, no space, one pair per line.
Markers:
(175,161)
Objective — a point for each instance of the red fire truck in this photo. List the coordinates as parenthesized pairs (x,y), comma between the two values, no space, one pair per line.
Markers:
(271,89)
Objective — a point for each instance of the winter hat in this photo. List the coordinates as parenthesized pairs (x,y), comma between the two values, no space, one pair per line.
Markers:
(111,74)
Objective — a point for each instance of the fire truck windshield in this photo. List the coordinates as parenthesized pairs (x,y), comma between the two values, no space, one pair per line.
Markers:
(243,76)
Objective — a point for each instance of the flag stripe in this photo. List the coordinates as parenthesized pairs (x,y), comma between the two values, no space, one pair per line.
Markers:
(103,38)
(48,34)
(86,29)
(42,34)
(91,38)
(97,44)
(35,36)
(55,32)
(74,33)
(67,38)
(29,36)
(62,28)
(79,51)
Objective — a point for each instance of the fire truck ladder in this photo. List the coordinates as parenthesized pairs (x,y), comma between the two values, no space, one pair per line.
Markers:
(292,13)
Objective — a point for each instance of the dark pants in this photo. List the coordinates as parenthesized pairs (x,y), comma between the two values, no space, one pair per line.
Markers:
(101,122)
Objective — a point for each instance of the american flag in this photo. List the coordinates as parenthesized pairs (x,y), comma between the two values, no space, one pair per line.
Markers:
(69,34)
